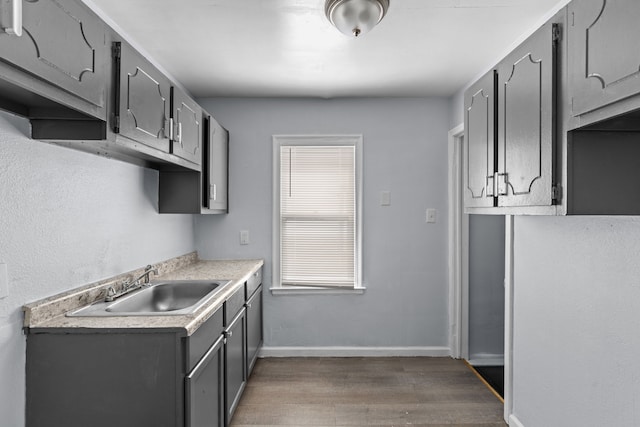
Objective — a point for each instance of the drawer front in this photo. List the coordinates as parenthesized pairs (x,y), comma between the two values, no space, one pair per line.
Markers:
(254,281)
(203,338)
(233,305)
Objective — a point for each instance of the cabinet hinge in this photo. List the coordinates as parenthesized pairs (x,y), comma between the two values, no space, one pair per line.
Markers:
(556,33)
(556,193)
(116,50)
(116,123)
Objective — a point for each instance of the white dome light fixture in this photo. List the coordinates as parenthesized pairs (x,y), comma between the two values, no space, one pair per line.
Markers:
(355,17)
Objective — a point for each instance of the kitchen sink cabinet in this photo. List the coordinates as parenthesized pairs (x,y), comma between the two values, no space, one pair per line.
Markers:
(604,59)
(40,73)
(254,319)
(235,352)
(510,128)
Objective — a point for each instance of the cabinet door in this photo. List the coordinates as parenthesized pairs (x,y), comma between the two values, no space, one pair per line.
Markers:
(235,363)
(217,166)
(526,121)
(63,43)
(604,58)
(254,328)
(479,142)
(142,99)
(205,389)
(187,133)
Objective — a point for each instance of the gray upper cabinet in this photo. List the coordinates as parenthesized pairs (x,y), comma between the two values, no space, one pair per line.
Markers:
(187,127)
(216,168)
(604,57)
(526,121)
(61,55)
(511,128)
(143,99)
(480,144)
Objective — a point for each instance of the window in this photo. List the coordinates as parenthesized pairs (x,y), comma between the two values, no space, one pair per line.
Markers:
(317,210)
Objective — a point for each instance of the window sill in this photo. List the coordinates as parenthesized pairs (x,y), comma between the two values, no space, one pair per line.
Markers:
(302,290)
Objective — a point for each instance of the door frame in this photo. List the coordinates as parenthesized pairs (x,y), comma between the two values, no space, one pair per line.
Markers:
(458,249)
(458,261)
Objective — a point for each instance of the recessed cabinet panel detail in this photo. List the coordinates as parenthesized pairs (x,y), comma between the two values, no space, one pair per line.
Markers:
(526,114)
(146,104)
(187,133)
(143,97)
(63,44)
(603,46)
(479,142)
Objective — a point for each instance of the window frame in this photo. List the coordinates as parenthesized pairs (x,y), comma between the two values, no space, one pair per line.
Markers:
(277,288)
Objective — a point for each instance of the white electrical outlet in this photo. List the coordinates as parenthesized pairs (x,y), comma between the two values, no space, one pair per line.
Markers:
(4,281)
(431,216)
(244,237)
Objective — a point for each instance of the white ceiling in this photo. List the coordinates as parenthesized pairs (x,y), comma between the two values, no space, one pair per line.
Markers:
(282,48)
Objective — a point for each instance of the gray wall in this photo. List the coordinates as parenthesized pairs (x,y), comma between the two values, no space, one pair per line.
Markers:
(405,264)
(486,287)
(576,321)
(67,219)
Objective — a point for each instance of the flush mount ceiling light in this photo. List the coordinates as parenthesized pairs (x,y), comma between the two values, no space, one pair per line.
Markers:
(355,17)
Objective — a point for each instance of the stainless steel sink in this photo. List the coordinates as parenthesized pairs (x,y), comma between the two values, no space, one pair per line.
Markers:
(160,298)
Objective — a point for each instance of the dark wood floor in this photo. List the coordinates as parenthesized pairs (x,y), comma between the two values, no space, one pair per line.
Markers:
(324,392)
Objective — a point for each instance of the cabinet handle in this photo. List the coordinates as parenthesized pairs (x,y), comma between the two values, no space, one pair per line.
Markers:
(180,133)
(16,18)
(247,305)
(228,334)
(213,192)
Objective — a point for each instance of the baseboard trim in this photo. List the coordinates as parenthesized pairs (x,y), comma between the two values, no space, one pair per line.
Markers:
(355,352)
(487,360)
(514,421)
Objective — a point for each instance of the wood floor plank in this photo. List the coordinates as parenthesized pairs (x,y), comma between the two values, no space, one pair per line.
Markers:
(375,392)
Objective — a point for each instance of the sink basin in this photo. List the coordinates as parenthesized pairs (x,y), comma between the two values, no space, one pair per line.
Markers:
(160,298)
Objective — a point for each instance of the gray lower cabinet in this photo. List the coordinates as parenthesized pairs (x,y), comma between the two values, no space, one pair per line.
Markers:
(235,352)
(204,389)
(70,74)
(254,328)
(604,59)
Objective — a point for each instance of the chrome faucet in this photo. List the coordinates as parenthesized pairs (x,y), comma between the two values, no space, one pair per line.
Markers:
(131,285)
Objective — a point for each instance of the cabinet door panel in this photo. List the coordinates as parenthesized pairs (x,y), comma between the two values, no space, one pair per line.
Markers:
(526,122)
(205,390)
(64,44)
(187,138)
(604,53)
(254,328)
(235,363)
(479,142)
(144,100)
(216,175)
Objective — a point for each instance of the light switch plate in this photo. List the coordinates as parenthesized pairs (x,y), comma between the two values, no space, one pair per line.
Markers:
(385,198)
(431,216)
(244,237)
(4,281)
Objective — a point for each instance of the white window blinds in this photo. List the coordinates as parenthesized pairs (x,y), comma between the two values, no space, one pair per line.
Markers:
(318,215)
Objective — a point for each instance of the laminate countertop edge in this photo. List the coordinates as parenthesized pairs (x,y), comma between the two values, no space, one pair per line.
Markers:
(49,315)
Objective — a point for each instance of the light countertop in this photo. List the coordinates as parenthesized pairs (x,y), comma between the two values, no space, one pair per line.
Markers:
(50,313)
